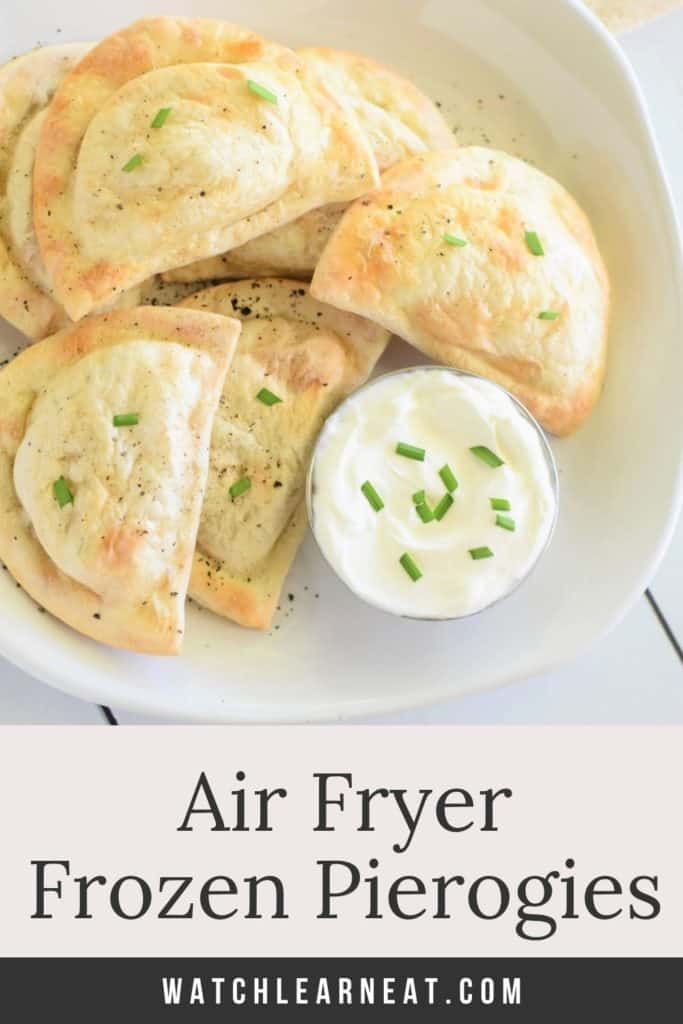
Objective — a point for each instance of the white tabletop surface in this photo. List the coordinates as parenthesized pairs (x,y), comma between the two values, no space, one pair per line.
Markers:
(633,675)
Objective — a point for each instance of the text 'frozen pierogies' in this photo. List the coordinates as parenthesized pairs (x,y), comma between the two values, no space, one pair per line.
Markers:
(176,139)
(485,264)
(295,361)
(397,119)
(26,86)
(104,448)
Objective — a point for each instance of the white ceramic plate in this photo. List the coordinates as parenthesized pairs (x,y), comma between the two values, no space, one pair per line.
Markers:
(545,81)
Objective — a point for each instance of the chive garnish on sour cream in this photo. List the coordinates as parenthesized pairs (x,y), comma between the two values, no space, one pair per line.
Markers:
(448,477)
(260,90)
(454,240)
(548,314)
(161,117)
(63,495)
(506,522)
(126,419)
(410,451)
(487,456)
(239,487)
(424,511)
(500,504)
(372,496)
(478,553)
(420,498)
(533,243)
(267,397)
(443,507)
(410,567)
(134,162)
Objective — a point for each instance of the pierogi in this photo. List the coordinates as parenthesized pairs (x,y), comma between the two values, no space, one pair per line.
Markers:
(104,449)
(176,139)
(483,263)
(302,358)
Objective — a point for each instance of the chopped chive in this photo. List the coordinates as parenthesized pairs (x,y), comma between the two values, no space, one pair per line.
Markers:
(410,567)
(420,498)
(534,243)
(477,553)
(239,487)
(487,456)
(410,451)
(500,504)
(448,477)
(373,497)
(161,117)
(506,522)
(134,162)
(60,489)
(267,397)
(454,240)
(443,507)
(126,419)
(424,511)
(548,314)
(260,90)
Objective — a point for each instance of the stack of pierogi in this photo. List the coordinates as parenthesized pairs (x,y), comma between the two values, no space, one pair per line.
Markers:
(208,240)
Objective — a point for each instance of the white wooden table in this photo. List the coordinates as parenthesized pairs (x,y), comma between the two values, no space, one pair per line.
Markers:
(634,675)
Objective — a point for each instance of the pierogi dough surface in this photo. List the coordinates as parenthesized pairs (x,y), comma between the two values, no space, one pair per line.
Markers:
(98,520)
(118,197)
(397,119)
(535,322)
(27,298)
(26,87)
(291,251)
(309,356)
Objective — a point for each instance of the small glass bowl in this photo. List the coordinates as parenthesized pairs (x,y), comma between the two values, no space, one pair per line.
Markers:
(550,464)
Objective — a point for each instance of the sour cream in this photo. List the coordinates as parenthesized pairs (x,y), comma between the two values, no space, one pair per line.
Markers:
(446,414)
